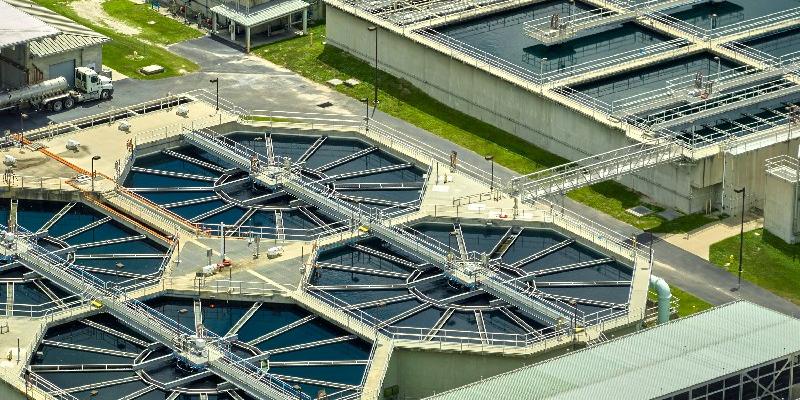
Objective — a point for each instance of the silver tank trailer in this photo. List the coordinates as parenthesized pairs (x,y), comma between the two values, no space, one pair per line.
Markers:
(33,93)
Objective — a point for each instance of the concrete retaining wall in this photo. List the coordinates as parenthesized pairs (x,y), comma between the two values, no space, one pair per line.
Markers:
(420,374)
(689,187)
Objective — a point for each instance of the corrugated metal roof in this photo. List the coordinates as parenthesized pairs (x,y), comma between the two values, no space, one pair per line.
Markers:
(261,13)
(651,363)
(18,27)
(73,35)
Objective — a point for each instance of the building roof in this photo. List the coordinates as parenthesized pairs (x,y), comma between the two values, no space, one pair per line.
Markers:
(261,13)
(651,363)
(73,35)
(19,27)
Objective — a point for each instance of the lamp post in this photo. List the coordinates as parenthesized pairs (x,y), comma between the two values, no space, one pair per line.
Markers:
(719,67)
(95,158)
(365,100)
(741,238)
(542,62)
(375,83)
(216,81)
(22,118)
(491,160)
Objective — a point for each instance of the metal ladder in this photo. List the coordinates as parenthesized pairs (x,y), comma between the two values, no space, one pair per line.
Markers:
(462,245)
(10,299)
(280,231)
(12,215)
(198,315)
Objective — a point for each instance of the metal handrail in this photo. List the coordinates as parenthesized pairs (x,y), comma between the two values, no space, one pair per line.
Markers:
(721,32)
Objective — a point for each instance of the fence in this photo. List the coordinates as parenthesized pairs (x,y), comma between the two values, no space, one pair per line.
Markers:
(36,182)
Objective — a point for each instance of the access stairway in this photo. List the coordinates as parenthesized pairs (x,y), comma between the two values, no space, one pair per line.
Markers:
(597,168)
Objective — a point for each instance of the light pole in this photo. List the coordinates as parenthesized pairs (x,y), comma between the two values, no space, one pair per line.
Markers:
(365,100)
(375,83)
(95,158)
(542,62)
(741,238)
(216,80)
(491,160)
(22,118)
(719,67)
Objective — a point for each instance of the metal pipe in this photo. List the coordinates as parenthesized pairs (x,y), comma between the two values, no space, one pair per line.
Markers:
(664,296)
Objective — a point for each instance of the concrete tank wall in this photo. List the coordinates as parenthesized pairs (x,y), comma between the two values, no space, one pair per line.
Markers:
(523,112)
(780,207)
(420,374)
(689,187)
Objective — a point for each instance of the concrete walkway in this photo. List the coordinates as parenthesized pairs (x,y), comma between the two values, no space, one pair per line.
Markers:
(260,85)
(700,240)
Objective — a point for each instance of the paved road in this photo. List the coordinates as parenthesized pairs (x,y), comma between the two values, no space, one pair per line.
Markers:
(259,85)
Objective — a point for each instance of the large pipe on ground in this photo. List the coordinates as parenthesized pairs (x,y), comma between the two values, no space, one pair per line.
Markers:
(664,296)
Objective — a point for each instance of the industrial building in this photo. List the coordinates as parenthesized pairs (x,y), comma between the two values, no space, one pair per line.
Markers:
(67,45)
(683,101)
(736,351)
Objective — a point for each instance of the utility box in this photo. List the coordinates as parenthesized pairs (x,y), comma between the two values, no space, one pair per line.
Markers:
(781,201)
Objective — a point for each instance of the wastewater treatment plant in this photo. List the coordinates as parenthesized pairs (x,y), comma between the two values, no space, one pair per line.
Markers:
(187,248)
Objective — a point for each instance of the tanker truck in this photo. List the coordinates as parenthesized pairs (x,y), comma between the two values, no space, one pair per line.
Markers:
(56,94)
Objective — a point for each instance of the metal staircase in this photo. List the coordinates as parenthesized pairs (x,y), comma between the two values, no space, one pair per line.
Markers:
(280,230)
(597,168)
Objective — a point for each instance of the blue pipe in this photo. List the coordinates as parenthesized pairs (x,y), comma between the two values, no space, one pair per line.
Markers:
(664,296)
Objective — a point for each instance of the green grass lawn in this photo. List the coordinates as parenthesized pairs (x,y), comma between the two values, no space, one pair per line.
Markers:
(119,52)
(309,57)
(163,31)
(769,262)
(688,303)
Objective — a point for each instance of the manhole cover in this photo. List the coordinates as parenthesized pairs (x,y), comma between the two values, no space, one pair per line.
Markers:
(639,211)
(669,214)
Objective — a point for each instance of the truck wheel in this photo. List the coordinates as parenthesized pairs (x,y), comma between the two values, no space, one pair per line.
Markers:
(57,106)
(105,94)
(69,102)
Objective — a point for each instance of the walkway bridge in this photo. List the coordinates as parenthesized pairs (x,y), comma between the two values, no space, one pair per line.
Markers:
(555,29)
(148,321)
(597,168)
(468,270)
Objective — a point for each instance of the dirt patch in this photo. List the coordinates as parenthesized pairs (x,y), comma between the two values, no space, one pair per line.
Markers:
(93,11)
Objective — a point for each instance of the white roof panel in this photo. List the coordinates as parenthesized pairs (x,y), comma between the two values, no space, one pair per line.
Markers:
(651,363)
(73,35)
(261,13)
(18,27)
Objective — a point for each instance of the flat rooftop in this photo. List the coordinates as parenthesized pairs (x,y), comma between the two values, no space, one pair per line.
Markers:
(652,363)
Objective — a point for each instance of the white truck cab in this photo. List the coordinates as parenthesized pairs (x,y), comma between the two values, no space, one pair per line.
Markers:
(89,85)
